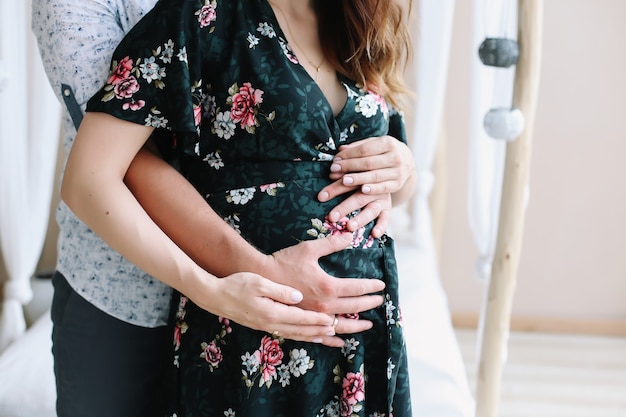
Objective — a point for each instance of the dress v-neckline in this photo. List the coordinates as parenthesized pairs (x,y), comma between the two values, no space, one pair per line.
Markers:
(280,33)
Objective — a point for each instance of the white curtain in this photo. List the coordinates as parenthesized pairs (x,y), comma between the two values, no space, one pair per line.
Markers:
(491,87)
(431,57)
(439,383)
(29,131)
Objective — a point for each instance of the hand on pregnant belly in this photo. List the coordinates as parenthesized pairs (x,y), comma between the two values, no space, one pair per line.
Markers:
(298,267)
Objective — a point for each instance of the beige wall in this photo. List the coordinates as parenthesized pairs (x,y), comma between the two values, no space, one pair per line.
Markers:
(573,262)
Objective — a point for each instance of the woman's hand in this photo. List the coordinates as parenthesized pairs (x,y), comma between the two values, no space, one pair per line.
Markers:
(380,171)
(258,303)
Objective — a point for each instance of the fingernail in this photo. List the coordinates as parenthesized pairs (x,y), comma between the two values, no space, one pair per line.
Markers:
(335,168)
(296,296)
(366,189)
(337,158)
(323,196)
(334,216)
(348,180)
(331,333)
(353,225)
(317,340)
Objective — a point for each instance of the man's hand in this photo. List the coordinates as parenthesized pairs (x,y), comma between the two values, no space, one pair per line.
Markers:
(297,266)
(258,303)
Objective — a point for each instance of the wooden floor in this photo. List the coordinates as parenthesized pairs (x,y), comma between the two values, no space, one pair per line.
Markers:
(555,375)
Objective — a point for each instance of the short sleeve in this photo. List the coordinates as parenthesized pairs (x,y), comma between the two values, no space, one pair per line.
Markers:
(397,127)
(76,41)
(155,78)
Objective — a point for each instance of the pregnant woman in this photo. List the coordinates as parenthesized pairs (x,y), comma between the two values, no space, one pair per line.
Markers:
(253,101)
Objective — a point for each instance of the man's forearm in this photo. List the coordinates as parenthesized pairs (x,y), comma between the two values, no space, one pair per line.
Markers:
(182,213)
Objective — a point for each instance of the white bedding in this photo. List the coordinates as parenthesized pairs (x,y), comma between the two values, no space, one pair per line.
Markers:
(438,381)
(27,387)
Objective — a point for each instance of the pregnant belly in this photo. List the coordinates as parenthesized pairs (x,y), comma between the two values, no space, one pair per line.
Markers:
(279,214)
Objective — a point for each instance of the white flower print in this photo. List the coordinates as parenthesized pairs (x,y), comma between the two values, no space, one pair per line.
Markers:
(390,367)
(209,105)
(168,51)
(151,71)
(325,148)
(252,40)
(284,376)
(349,348)
(367,105)
(288,52)
(343,136)
(223,126)
(324,157)
(229,413)
(331,409)
(330,144)
(214,159)
(300,362)
(266,29)
(240,196)
(250,363)
(182,55)
(389,309)
(233,221)
(156,121)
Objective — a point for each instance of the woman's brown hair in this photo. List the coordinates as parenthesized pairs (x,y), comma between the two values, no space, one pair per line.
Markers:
(369,41)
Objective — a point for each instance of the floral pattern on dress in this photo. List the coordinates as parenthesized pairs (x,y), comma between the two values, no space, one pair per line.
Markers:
(252,131)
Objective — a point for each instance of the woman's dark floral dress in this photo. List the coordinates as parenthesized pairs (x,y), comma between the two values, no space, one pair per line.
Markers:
(255,134)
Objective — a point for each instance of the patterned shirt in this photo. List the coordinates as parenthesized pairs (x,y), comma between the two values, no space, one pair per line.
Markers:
(76,41)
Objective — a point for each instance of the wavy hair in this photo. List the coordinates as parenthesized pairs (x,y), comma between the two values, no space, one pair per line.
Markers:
(369,41)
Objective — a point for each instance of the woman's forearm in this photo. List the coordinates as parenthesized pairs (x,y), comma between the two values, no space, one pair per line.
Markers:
(93,189)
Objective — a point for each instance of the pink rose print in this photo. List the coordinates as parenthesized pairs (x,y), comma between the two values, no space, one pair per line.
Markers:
(206,15)
(178,332)
(197,114)
(134,105)
(212,354)
(353,316)
(122,71)
(244,102)
(226,324)
(337,228)
(126,88)
(353,388)
(345,408)
(269,356)
(266,187)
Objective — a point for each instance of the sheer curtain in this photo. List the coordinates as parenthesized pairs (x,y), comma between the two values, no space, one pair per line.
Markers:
(491,87)
(29,131)
(438,379)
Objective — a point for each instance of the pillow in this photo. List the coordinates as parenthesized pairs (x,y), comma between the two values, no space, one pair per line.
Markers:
(27,386)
